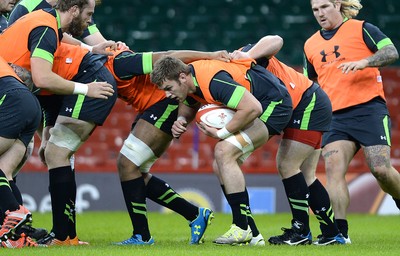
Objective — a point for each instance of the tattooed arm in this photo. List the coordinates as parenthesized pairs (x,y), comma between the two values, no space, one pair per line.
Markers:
(382,57)
(24,75)
(385,56)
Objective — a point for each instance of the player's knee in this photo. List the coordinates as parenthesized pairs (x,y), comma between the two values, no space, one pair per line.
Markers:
(284,167)
(382,173)
(123,164)
(63,137)
(215,168)
(136,152)
(241,141)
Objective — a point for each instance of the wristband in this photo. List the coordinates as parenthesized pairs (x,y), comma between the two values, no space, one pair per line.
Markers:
(80,88)
(181,118)
(223,133)
(86,46)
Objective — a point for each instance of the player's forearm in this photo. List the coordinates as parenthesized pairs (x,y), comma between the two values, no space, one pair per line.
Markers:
(385,56)
(187,112)
(94,39)
(268,46)
(188,56)
(23,74)
(70,40)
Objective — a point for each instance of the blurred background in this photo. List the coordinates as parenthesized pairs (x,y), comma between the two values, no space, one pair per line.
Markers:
(154,25)
(208,25)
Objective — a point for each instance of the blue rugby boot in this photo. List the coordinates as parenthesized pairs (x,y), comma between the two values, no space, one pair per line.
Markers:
(136,240)
(199,225)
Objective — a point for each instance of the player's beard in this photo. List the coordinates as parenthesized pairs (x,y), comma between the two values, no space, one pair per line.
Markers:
(77,26)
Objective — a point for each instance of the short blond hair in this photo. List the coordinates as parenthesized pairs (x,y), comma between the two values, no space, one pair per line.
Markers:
(168,68)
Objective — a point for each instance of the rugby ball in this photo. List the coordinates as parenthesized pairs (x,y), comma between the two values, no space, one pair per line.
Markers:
(214,115)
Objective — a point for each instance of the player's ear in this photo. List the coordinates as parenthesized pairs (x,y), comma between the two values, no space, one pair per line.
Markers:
(182,76)
(74,10)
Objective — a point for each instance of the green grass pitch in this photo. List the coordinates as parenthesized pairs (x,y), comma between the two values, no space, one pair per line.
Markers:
(370,234)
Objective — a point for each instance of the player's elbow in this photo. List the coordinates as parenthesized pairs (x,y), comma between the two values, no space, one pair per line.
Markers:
(391,54)
(255,111)
(278,40)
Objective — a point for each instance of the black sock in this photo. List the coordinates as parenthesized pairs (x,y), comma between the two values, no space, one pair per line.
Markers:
(135,199)
(250,218)
(297,193)
(160,192)
(15,191)
(343,227)
(320,204)
(62,204)
(7,198)
(237,201)
(72,224)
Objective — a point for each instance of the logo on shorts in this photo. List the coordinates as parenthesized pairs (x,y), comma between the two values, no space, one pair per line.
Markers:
(153,117)
(67,109)
(296,121)
(383,137)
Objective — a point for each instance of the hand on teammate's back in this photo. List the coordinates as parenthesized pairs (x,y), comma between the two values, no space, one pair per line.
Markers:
(100,90)
(122,46)
(222,55)
(239,55)
(105,48)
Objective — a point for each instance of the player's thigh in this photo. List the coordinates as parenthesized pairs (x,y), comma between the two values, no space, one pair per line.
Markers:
(258,133)
(80,127)
(291,154)
(152,136)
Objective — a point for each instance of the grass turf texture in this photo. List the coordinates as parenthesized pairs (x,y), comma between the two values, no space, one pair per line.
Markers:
(370,235)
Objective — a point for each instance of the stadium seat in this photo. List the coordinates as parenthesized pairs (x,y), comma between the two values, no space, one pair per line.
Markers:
(92,156)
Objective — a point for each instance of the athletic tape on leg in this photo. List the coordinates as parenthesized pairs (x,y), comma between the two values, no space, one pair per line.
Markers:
(62,136)
(243,142)
(138,153)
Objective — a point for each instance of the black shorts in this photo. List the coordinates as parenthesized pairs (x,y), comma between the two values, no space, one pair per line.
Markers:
(314,111)
(162,115)
(367,124)
(50,105)
(274,98)
(20,113)
(86,108)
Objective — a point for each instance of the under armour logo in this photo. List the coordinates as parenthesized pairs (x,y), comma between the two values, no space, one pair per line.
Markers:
(67,109)
(383,137)
(197,227)
(153,117)
(296,121)
(69,211)
(297,224)
(324,54)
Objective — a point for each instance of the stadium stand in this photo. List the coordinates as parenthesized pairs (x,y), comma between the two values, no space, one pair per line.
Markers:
(155,25)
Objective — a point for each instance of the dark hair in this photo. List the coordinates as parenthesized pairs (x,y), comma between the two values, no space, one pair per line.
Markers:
(65,5)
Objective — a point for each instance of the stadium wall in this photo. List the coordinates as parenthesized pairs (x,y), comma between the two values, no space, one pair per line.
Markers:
(102,192)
